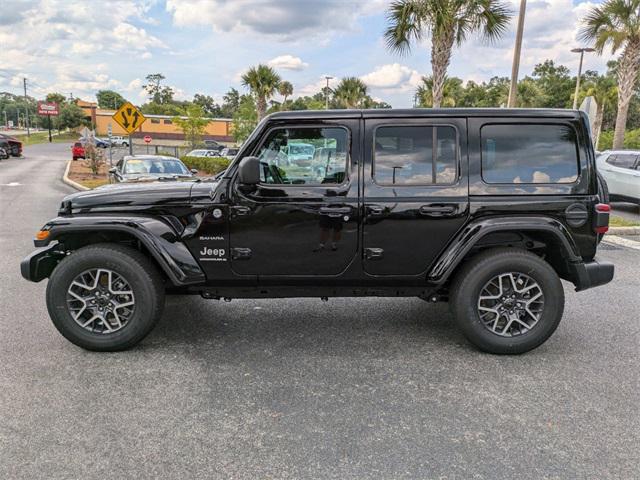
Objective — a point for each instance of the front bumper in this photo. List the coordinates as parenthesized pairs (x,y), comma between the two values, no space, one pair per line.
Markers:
(592,274)
(39,264)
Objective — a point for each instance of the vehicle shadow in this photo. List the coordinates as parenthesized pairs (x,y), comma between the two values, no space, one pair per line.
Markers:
(344,327)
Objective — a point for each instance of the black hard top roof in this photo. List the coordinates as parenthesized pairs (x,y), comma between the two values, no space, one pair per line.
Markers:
(425,112)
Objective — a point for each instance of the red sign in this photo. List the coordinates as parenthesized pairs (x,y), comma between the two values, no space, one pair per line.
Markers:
(147,139)
(45,108)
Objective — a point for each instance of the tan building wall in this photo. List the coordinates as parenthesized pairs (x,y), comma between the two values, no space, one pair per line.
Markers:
(162,126)
(158,126)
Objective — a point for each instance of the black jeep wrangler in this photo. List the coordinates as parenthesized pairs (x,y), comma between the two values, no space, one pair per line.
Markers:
(485,209)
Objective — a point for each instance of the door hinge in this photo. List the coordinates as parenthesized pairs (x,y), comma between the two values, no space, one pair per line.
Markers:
(373,253)
(240,253)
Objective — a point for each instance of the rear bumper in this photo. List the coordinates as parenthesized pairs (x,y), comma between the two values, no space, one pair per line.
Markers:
(592,274)
(39,264)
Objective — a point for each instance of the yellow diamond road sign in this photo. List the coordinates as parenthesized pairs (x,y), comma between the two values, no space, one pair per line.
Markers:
(129,117)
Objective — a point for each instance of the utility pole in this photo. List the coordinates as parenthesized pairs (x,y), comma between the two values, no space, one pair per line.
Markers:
(326,92)
(581,52)
(515,67)
(26,104)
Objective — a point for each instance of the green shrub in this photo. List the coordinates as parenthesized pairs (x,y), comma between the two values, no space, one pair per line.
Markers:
(210,165)
(631,140)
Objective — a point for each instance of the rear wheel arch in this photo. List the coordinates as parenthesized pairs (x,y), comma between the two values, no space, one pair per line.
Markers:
(543,240)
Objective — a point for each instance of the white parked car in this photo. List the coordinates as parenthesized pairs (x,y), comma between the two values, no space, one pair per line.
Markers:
(621,170)
(119,141)
(202,153)
(229,153)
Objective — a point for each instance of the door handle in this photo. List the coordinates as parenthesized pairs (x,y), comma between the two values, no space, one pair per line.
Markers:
(335,212)
(239,211)
(375,209)
(437,210)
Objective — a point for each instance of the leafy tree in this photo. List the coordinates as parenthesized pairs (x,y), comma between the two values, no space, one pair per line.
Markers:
(604,91)
(351,92)
(616,24)
(286,90)
(447,22)
(529,94)
(108,99)
(55,98)
(208,105)
(157,93)
(451,92)
(245,118)
(555,83)
(231,102)
(192,124)
(263,82)
(153,108)
(70,116)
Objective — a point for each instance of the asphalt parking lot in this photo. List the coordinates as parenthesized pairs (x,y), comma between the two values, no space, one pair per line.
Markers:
(348,389)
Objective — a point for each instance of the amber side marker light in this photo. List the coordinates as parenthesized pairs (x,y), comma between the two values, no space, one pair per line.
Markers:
(42,234)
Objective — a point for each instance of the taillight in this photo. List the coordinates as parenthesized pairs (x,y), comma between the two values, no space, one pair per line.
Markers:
(601,221)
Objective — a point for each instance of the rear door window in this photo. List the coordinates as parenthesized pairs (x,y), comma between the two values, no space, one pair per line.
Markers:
(415,155)
(533,153)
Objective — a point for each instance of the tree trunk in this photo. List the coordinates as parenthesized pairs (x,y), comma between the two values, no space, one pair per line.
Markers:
(441,46)
(597,125)
(261,107)
(627,75)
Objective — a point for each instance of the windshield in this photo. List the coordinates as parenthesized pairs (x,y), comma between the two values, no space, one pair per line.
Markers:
(155,166)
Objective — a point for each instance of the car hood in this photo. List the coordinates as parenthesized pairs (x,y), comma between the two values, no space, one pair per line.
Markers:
(130,196)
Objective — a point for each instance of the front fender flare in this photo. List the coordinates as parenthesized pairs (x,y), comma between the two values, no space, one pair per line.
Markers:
(162,241)
(472,233)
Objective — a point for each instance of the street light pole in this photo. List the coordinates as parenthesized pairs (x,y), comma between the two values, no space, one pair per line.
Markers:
(581,52)
(326,92)
(515,66)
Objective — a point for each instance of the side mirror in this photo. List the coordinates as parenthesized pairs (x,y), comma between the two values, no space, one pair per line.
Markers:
(113,170)
(249,171)
(194,170)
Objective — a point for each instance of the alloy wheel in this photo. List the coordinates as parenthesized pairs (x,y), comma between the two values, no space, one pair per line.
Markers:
(100,301)
(510,304)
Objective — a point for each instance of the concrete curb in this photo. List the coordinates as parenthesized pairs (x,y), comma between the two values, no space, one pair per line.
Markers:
(68,181)
(624,231)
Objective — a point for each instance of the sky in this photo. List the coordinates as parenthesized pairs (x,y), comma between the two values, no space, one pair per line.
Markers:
(203,46)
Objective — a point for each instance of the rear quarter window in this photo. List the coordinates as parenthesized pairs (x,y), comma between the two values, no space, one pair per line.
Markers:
(529,153)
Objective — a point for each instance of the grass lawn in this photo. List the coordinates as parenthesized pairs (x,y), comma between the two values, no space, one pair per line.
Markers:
(43,137)
(616,221)
(81,173)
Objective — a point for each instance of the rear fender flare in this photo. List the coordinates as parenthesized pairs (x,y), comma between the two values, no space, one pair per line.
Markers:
(472,233)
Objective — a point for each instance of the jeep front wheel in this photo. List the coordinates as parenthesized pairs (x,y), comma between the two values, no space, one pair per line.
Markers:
(105,297)
(507,301)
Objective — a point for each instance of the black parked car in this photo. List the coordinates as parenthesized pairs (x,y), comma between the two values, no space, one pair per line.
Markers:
(485,209)
(138,168)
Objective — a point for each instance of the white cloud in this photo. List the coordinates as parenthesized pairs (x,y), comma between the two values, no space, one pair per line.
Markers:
(315,87)
(287,62)
(284,19)
(392,76)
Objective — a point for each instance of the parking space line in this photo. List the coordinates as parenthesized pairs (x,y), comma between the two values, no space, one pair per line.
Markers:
(615,240)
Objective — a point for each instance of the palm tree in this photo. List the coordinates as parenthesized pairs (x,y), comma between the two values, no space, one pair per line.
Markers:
(448,22)
(616,23)
(451,92)
(285,89)
(263,82)
(351,92)
(603,89)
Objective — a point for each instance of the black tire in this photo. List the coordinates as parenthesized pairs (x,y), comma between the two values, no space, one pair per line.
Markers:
(473,276)
(142,275)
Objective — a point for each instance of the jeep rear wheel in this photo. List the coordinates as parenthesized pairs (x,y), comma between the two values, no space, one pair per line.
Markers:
(507,301)
(105,297)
